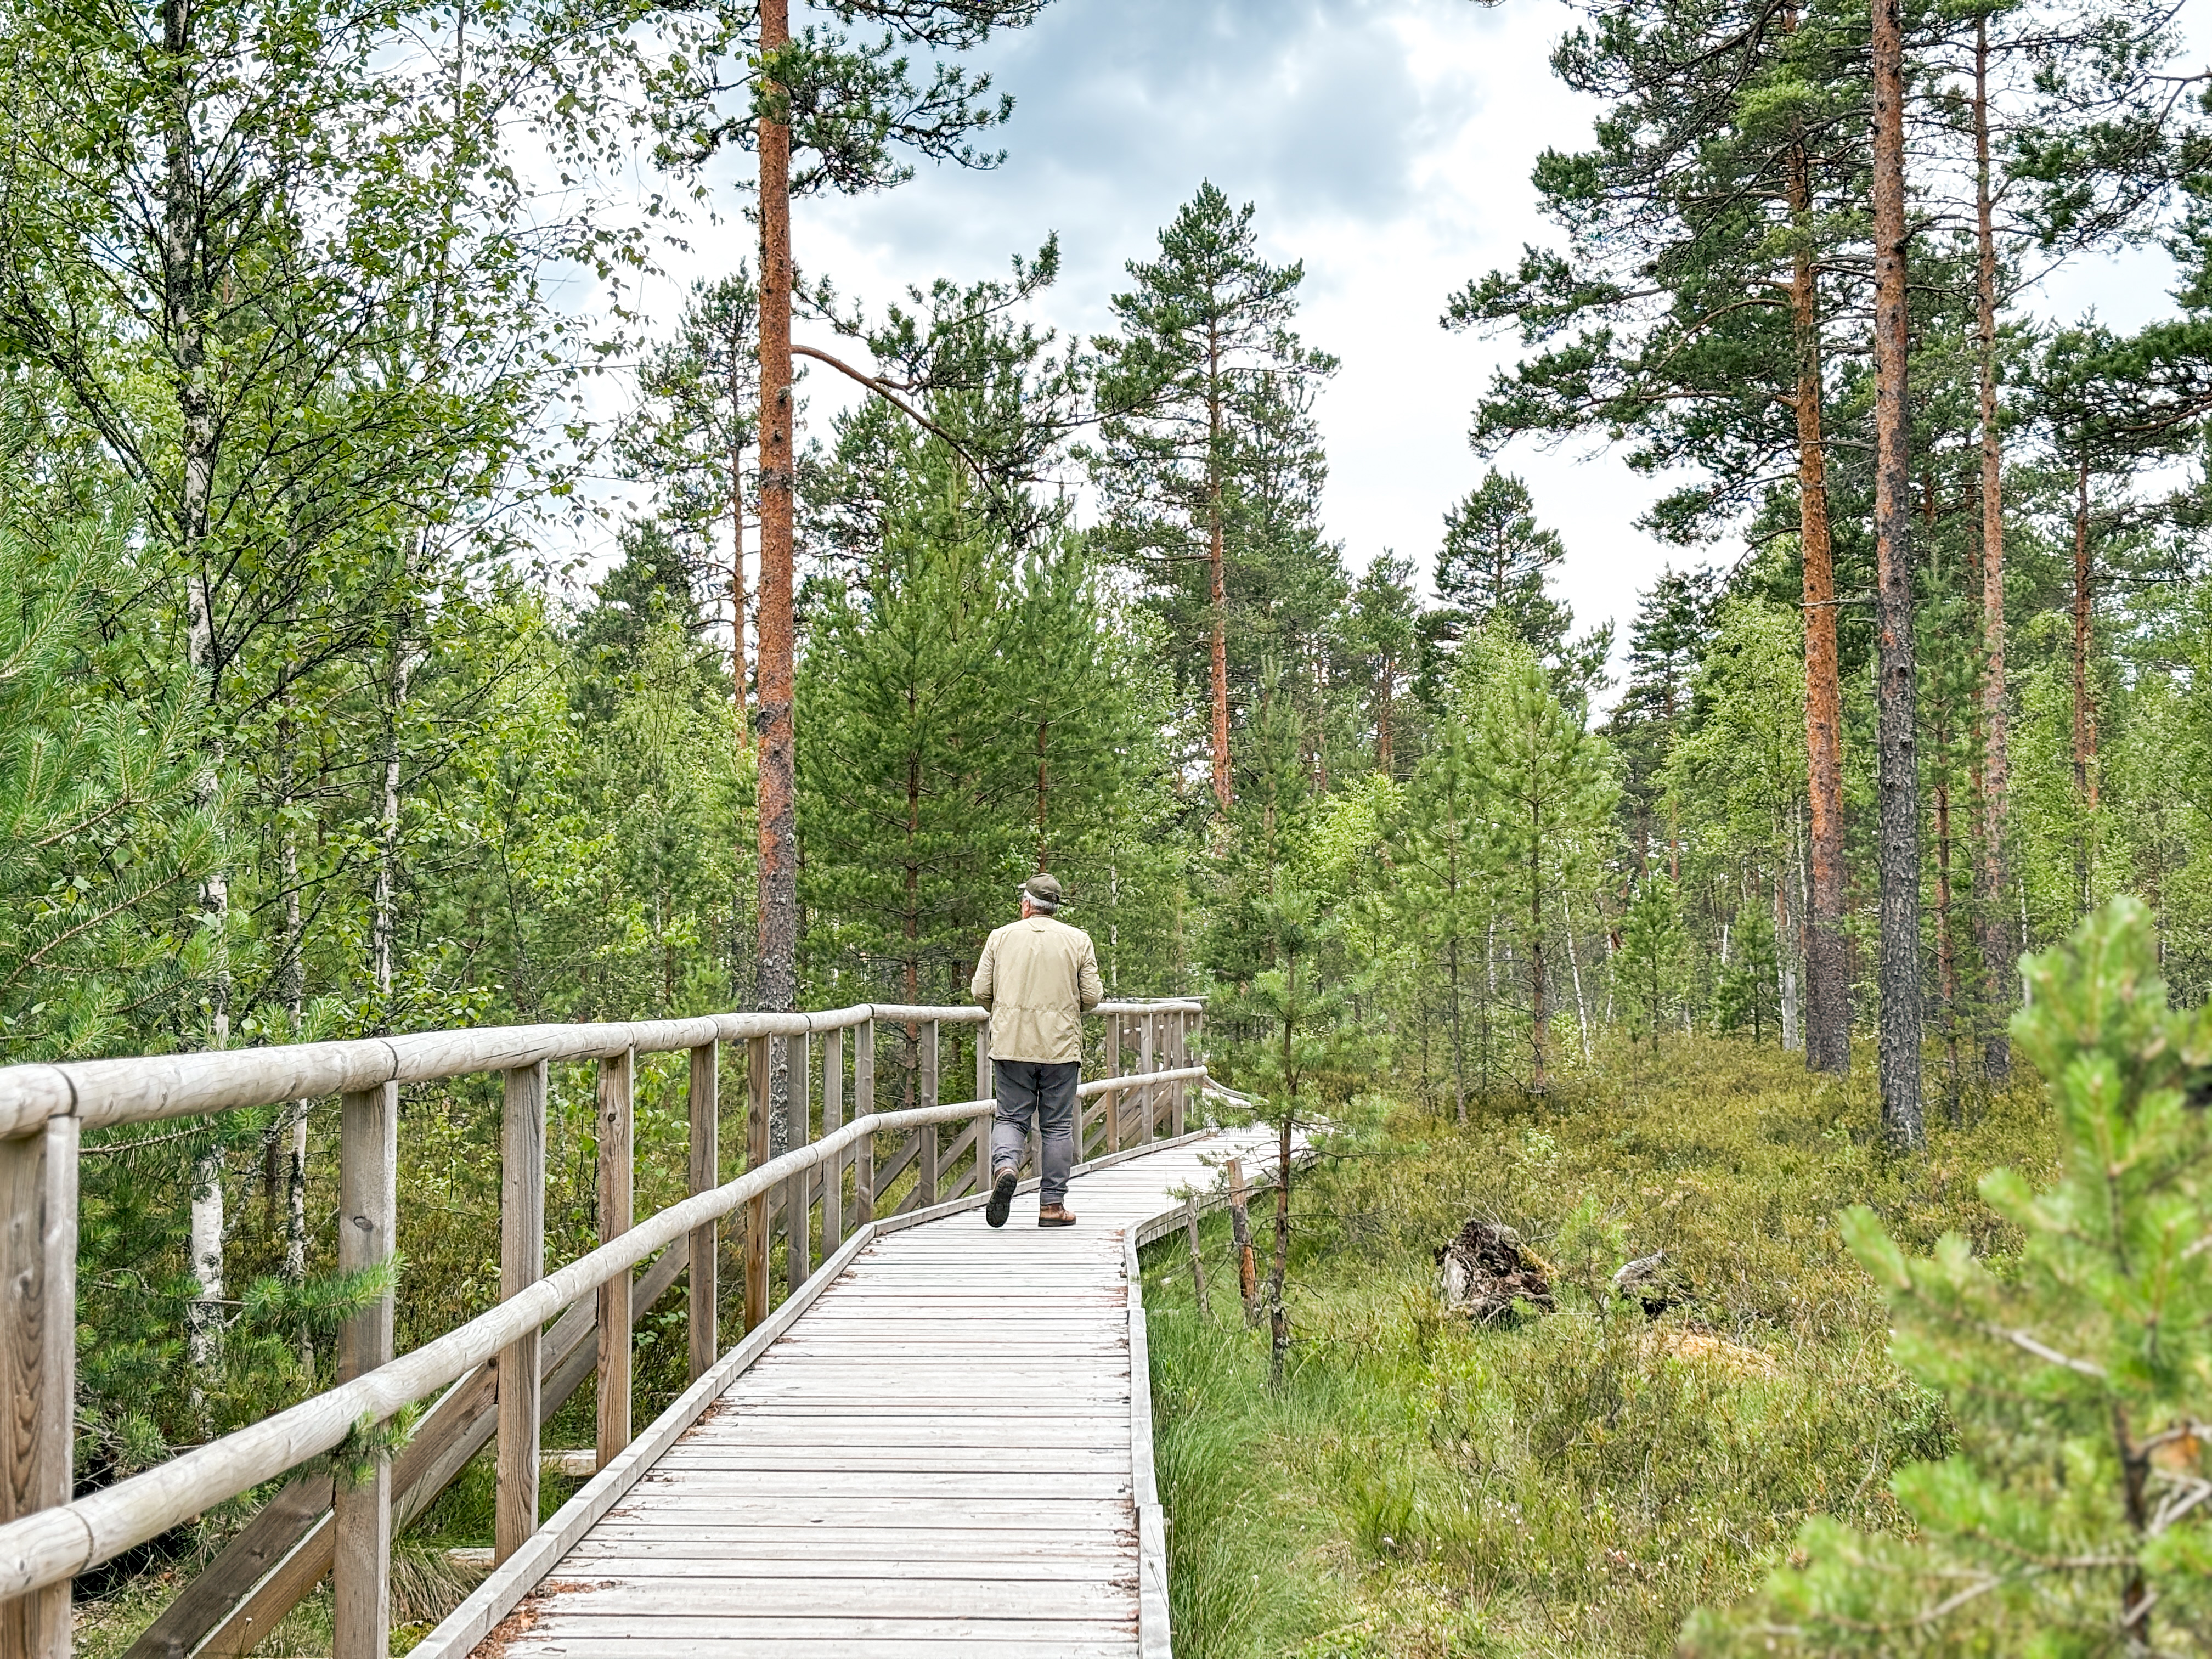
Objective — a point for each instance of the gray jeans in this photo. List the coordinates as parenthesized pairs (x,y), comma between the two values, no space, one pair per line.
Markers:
(1045,1090)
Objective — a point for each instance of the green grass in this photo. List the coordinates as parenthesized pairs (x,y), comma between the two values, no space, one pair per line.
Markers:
(1564,1484)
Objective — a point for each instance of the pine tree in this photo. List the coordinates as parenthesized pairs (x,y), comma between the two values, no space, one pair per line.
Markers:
(1209,460)
(1648,966)
(1495,566)
(1674,621)
(2071,1519)
(1444,887)
(1548,792)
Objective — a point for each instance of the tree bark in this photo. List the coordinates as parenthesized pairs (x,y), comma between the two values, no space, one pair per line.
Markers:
(1897,761)
(1828,952)
(1217,579)
(2000,945)
(2085,720)
(777,982)
(1538,1014)
(738,557)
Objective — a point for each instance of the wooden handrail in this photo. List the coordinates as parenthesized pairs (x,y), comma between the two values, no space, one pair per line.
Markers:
(99,1093)
(43,1110)
(51,1544)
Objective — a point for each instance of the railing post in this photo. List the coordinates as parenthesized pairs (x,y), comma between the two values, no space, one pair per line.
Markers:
(706,1100)
(1148,1062)
(368,1203)
(833,1118)
(521,1264)
(983,1120)
(1179,1097)
(798,1236)
(38,1359)
(1113,1096)
(617,1197)
(758,1062)
(863,1103)
(925,1191)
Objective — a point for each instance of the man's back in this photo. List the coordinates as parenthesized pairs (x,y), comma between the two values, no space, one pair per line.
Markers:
(1038,975)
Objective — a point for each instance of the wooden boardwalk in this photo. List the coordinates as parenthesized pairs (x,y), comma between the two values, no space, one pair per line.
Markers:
(945,1451)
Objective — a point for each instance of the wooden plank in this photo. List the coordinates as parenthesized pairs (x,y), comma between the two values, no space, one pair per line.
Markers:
(510,1581)
(704,1101)
(368,1201)
(798,1260)
(758,1062)
(833,1114)
(617,1638)
(617,1197)
(522,1263)
(650,1601)
(38,1358)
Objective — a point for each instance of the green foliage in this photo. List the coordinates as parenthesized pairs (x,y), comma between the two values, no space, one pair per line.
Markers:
(99,832)
(1649,961)
(2079,1375)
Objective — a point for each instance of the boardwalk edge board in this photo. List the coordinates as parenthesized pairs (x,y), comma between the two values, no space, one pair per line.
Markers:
(457,1634)
(1152,1638)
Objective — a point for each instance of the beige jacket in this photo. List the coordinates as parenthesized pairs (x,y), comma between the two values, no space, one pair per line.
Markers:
(1036,977)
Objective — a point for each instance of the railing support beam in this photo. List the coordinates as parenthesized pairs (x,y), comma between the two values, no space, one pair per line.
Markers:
(617,1189)
(705,1103)
(368,1214)
(521,1264)
(38,1359)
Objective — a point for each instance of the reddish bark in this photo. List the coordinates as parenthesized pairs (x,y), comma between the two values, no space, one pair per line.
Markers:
(778,828)
(2085,720)
(1896,694)
(1827,955)
(2001,944)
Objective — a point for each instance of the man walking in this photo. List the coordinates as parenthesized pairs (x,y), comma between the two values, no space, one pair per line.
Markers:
(1036,977)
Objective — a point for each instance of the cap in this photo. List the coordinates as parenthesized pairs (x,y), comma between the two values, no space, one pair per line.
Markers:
(1044,889)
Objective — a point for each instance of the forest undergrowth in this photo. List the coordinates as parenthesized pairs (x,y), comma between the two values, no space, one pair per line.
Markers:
(1576,1482)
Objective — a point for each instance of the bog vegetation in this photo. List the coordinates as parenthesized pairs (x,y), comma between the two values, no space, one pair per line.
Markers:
(315,720)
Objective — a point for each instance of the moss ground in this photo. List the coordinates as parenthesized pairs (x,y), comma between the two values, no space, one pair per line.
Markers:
(1569,1484)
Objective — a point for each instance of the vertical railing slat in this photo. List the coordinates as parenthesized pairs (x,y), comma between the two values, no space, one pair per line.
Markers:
(521,1264)
(863,1103)
(1113,1096)
(38,1359)
(983,1119)
(926,1095)
(833,1116)
(798,1236)
(617,1197)
(705,1103)
(1147,1060)
(758,1062)
(369,1203)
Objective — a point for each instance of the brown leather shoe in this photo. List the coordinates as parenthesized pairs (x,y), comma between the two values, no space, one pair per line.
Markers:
(1055,1215)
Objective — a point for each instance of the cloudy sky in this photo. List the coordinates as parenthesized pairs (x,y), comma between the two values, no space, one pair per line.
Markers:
(1386,142)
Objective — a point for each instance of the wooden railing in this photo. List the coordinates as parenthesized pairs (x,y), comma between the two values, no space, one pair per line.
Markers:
(505,1372)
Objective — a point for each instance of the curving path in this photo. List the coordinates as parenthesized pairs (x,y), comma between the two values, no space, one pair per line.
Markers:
(945,1451)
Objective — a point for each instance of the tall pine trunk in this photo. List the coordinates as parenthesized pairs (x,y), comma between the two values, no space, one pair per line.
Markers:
(1897,754)
(1827,951)
(2000,945)
(2085,719)
(1217,581)
(737,555)
(1539,1011)
(777,981)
